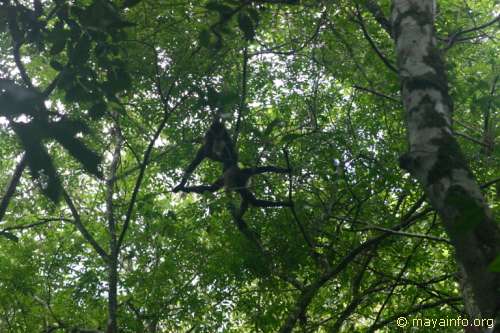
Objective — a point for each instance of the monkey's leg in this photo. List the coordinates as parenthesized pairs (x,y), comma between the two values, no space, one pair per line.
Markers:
(204,188)
(200,155)
(243,227)
(267,168)
(248,196)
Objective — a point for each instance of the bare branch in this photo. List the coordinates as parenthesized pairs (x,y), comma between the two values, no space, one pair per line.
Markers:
(11,187)
(361,23)
(407,234)
(374,8)
(376,93)
(454,37)
(79,225)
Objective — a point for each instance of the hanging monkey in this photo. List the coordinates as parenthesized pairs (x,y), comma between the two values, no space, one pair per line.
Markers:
(237,179)
(217,146)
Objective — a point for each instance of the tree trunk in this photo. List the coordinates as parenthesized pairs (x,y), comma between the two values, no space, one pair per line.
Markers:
(112,294)
(114,247)
(436,160)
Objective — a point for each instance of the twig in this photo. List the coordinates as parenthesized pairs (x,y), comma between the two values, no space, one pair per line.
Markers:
(34,224)
(308,241)
(465,136)
(374,8)
(243,97)
(408,234)
(372,43)
(11,187)
(79,225)
(454,37)
(167,112)
(377,93)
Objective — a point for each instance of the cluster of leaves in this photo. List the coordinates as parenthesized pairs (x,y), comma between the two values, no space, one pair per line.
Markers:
(184,266)
(86,38)
(246,15)
(80,43)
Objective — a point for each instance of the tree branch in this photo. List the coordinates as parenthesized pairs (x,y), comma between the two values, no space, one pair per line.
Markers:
(79,225)
(374,8)
(372,43)
(11,187)
(376,93)
(454,37)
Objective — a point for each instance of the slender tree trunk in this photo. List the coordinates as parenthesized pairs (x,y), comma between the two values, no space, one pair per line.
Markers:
(114,248)
(436,160)
(112,294)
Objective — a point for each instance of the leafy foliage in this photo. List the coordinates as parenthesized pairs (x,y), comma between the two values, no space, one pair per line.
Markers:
(128,89)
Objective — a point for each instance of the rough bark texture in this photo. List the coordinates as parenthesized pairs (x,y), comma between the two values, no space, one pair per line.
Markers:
(435,158)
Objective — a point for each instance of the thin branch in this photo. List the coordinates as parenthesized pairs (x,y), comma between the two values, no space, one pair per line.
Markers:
(52,85)
(35,224)
(306,43)
(377,93)
(349,309)
(396,283)
(416,309)
(465,136)
(253,238)
(310,291)
(373,7)
(453,38)
(306,237)
(79,225)
(469,127)
(167,112)
(16,46)
(488,184)
(110,190)
(407,234)
(372,43)
(242,107)
(138,166)
(11,187)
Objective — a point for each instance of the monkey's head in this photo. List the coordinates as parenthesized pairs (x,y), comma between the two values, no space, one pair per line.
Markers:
(217,127)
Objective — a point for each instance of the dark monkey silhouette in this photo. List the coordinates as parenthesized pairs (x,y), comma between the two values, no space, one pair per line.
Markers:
(219,147)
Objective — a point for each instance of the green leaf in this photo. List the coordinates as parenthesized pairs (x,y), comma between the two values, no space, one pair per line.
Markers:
(64,132)
(56,65)
(38,159)
(58,46)
(290,137)
(97,110)
(81,52)
(254,14)
(495,265)
(204,38)
(223,10)
(130,3)
(213,97)
(10,236)
(271,126)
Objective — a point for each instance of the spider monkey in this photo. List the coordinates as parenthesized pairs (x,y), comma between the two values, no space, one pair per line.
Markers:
(217,146)
(237,179)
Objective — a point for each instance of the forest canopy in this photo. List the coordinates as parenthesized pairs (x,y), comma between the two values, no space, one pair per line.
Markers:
(249,166)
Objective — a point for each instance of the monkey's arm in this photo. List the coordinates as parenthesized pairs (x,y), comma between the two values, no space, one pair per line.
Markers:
(200,155)
(202,188)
